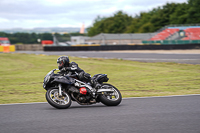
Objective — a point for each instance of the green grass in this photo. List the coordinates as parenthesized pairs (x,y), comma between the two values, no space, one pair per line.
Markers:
(21,76)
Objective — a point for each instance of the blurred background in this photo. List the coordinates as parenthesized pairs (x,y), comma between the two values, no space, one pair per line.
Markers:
(42,23)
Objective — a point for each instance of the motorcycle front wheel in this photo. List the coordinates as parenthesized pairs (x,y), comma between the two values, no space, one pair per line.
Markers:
(59,102)
(110,98)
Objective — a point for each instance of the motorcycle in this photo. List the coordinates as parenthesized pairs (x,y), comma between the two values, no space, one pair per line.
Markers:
(61,90)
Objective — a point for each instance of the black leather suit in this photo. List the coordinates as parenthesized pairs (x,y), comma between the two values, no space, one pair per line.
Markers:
(74,69)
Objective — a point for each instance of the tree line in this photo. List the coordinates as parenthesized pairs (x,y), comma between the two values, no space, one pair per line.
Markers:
(146,22)
(32,38)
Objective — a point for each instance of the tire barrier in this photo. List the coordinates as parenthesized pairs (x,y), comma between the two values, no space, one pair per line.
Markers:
(29,47)
(121,47)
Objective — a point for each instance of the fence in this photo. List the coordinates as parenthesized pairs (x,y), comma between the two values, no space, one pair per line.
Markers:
(169,42)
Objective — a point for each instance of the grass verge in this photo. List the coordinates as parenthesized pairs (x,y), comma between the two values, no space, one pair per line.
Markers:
(21,76)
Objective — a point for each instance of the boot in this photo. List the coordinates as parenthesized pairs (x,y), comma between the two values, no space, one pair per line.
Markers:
(97,86)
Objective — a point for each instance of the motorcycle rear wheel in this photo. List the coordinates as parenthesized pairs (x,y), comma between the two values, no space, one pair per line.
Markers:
(110,98)
(59,102)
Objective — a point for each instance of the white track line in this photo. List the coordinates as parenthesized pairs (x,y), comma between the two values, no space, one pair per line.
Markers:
(163,96)
(22,103)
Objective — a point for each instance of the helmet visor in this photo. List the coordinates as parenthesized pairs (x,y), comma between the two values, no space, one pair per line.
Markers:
(60,65)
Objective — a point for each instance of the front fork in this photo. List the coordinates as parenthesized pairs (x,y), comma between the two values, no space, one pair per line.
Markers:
(60,89)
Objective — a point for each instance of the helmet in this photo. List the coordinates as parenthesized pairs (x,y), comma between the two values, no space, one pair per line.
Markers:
(62,62)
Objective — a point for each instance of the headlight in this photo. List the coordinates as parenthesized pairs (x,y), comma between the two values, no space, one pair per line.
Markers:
(44,86)
(46,79)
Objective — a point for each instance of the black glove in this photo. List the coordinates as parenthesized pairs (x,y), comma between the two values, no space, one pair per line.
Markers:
(65,69)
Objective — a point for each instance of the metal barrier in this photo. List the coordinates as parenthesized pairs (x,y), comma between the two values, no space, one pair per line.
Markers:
(121,47)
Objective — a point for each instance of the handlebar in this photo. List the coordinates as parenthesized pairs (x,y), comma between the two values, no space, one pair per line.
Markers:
(70,75)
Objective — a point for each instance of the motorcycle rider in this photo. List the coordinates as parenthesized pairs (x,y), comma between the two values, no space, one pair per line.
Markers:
(66,67)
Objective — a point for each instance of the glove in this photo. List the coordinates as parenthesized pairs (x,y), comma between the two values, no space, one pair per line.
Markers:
(65,69)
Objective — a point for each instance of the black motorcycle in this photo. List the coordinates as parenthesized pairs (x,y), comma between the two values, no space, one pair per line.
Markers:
(62,89)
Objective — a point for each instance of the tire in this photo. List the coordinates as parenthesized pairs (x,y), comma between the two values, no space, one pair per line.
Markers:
(54,100)
(107,97)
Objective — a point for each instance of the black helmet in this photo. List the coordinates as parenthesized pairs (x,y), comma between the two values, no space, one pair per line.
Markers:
(62,62)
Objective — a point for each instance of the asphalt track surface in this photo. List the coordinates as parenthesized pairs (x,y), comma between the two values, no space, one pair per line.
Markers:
(144,57)
(178,114)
